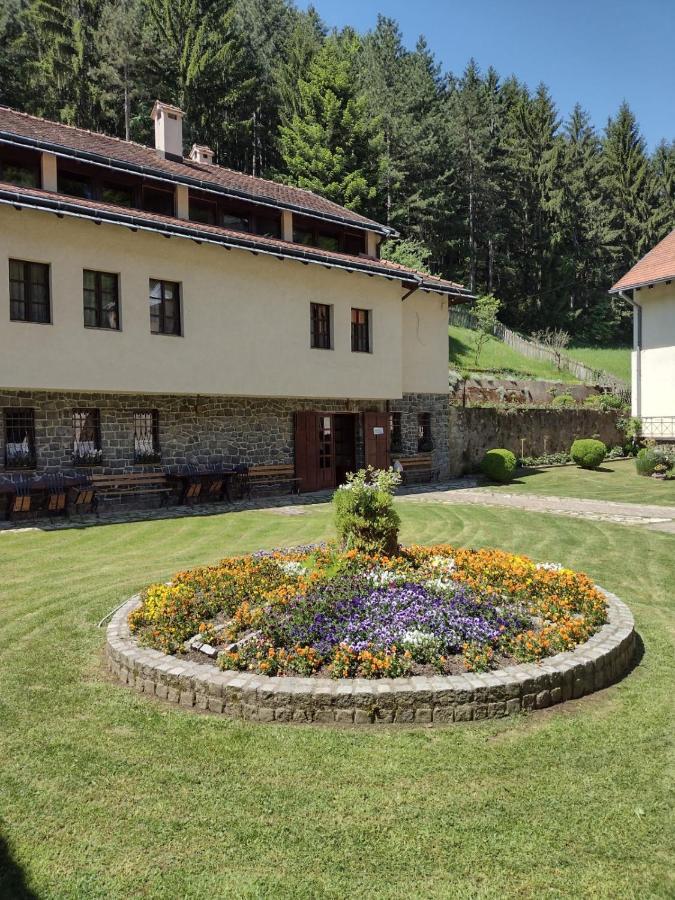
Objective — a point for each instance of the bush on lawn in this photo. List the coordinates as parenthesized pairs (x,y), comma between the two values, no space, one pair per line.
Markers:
(588,453)
(365,517)
(499,465)
(648,459)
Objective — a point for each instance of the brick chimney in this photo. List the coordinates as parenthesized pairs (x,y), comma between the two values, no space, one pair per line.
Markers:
(168,130)
(202,154)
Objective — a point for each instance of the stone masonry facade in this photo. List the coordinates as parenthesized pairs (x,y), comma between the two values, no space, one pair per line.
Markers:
(203,430)
(418,700)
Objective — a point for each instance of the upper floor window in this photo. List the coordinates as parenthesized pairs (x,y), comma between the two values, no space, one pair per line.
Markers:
(28,291)
(203,211)
(20,438)
(101,299)
(146,436)
(87,437)
(158,201)
(118,194)
(164,307)
(20,173)
(320,315)
(361,330)
(268,225)
(75,184)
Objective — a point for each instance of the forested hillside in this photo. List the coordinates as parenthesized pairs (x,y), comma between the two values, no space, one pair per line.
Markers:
(493,188)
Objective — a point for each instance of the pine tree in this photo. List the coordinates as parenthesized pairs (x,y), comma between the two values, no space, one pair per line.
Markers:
(329,145)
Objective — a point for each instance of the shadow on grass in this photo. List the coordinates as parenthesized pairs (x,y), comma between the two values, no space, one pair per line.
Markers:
(12,879)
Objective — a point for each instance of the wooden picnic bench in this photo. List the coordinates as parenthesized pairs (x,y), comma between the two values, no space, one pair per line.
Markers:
(418,468)
(131,484)
(272,476)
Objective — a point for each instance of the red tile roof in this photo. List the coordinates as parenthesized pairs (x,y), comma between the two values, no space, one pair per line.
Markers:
(118,153)
(95,210)
(657,265)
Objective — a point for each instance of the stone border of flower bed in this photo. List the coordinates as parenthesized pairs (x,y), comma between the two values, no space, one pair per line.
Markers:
(602,660)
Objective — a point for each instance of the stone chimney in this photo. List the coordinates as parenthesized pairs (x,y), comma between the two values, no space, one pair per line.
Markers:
(201,154)
(168,130)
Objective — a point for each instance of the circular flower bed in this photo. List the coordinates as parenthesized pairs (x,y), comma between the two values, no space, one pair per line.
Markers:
(344,613)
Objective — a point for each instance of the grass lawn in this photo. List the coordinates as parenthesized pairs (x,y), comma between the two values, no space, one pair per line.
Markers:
(615,360)
(616,480)
(496,357)
(106,794)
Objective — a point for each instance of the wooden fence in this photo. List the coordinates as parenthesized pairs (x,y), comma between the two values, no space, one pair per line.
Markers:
(462,318)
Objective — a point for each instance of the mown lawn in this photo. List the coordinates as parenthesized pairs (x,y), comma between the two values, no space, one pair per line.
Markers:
(106,794)
(615,360)
(497,357)
(615,480)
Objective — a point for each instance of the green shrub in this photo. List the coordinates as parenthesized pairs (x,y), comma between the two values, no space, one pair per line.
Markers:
(648,459)
(499,465)
(563,401)
(365,517)
(604,402)
(588,453)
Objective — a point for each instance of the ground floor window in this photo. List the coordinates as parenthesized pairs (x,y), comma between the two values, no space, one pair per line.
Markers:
(20,438)
(395,432)
(87,437)
(146,436)
(424,438)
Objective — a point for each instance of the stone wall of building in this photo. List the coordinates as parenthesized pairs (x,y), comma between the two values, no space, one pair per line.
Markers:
(527,432)
(202,430)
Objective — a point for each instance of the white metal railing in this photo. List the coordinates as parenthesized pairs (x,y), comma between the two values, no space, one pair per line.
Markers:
(658,427)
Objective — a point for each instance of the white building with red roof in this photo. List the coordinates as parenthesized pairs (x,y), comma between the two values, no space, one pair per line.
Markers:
(160,311)
(650,288)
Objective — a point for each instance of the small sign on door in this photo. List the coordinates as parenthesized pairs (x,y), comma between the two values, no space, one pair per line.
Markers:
(377,429)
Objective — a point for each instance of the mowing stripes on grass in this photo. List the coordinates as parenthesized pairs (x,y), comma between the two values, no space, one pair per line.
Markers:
(104,793)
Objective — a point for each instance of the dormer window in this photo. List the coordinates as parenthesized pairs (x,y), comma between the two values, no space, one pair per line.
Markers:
(117,194)
(203,211)
(235,222)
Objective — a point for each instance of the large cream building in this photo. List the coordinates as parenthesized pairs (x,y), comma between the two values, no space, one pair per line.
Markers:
(160,310)
(650,288)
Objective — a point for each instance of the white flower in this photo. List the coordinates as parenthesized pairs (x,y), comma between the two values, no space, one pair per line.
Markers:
(292,568)
(444,563)
(549,567)
(383,577)
(415,638)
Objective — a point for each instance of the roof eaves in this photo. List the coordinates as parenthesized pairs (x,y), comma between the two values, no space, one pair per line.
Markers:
(20,199)
(9,137)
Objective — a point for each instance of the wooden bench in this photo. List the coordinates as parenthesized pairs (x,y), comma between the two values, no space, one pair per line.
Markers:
(131,484)
(418,468)
(268,477)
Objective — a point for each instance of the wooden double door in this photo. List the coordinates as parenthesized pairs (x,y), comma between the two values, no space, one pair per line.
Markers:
(326,446)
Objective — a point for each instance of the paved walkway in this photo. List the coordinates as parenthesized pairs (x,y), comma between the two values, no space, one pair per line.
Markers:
(462,491)
(657,518)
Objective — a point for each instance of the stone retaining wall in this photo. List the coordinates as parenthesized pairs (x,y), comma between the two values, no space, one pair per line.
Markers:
(359,701)
(475,430)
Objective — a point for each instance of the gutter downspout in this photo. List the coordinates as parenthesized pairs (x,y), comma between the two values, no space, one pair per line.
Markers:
(637,346)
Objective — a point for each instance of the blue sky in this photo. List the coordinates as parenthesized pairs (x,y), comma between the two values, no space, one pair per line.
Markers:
(597,52)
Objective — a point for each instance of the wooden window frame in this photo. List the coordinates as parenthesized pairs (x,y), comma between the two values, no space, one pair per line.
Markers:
(361,331)
(98,300)
(23,160)
(28,300)
(178,315)
(20,460)
(318,229)
(321,337)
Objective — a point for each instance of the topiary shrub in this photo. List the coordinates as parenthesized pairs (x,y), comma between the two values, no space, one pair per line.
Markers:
(588,453)
(365,517)
(648,459)
(499,465)
(563,401)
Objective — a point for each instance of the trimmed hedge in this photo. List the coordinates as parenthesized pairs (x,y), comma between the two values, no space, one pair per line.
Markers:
(499,465)
(588,453)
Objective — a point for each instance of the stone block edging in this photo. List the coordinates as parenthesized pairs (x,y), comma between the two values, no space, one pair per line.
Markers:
(440,699)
